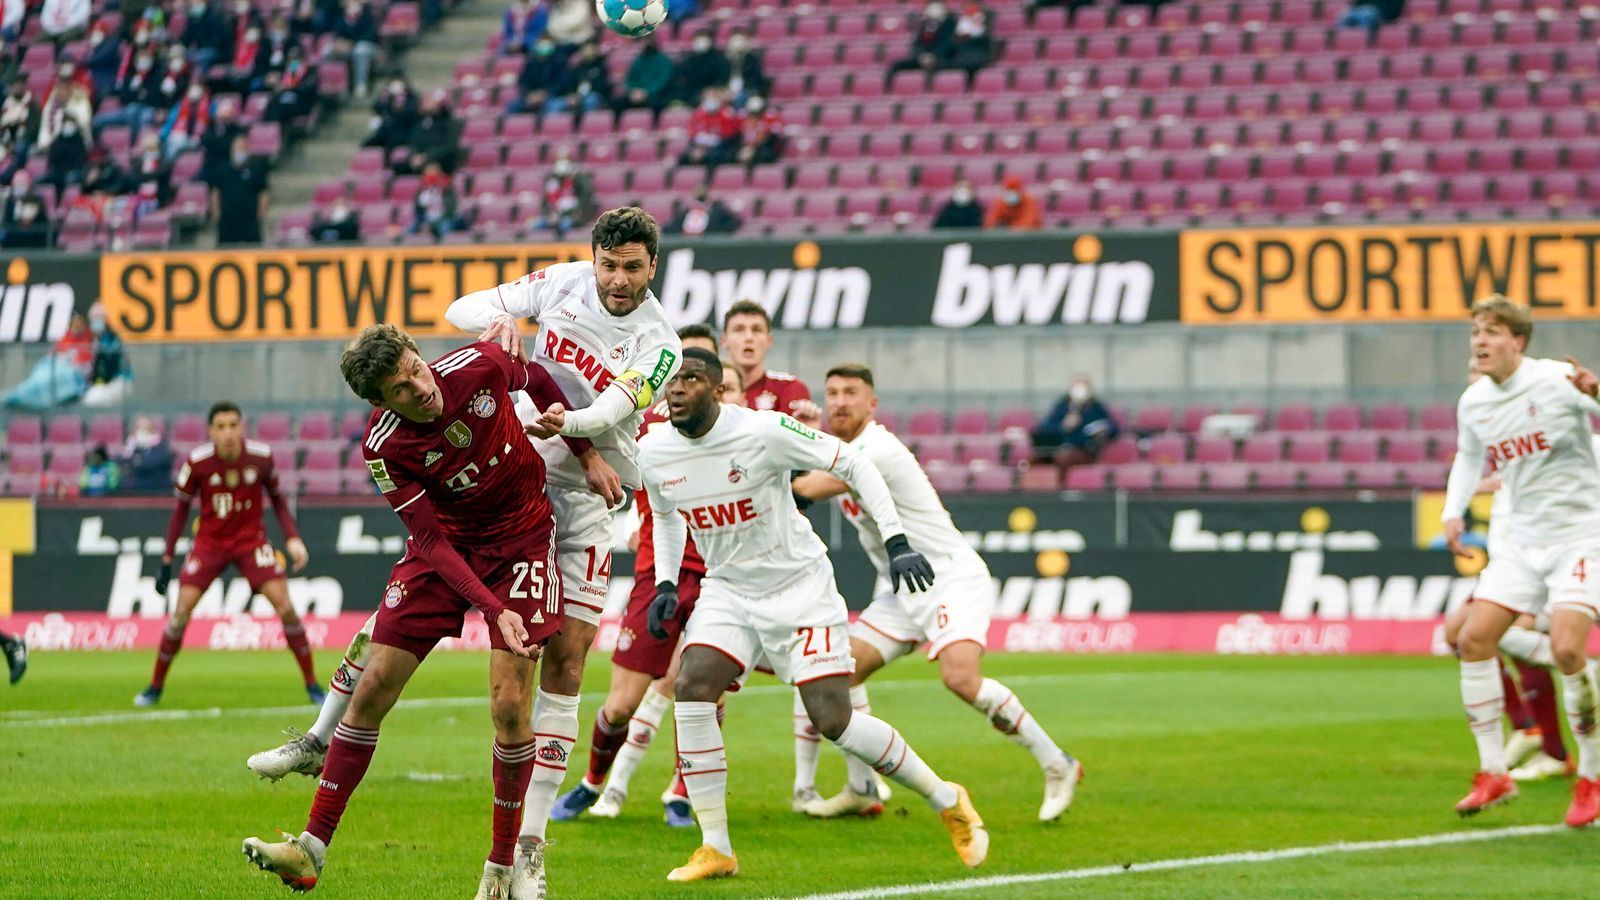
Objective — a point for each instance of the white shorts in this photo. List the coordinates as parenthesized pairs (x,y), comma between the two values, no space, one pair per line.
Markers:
(583,550)
(801,630)
(1528,579)
(956,608)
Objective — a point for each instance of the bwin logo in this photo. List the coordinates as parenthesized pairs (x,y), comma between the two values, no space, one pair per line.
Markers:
(1079,291)
(32,312)
(802,297)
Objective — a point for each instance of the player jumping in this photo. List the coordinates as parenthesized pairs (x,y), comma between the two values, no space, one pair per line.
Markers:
(769,589)
(606,342)
(952,616)
(231,476)
(1532,418)
(644,666)
(447,450)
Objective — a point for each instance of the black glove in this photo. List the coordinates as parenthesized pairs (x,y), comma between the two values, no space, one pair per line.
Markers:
(163,577)
(908,564)
(662,609)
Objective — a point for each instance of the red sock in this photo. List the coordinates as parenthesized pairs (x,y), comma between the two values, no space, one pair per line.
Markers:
(295,637)
(1539,693)
(170,645)
(513,766)
(349,754)
(604,743)
(1516,710)
(677,788)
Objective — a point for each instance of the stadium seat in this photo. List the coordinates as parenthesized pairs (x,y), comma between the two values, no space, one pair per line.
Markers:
(1079,478)
(1047,478)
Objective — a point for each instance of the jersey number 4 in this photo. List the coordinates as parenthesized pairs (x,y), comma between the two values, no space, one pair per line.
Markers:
(1580,572)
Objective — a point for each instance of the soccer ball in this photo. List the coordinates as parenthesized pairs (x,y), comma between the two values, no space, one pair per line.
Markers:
(632,18)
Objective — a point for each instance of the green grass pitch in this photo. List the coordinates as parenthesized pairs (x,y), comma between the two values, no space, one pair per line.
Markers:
(1186,756)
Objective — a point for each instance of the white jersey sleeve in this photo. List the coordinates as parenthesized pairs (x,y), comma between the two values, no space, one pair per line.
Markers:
(521,299)
(1467,466)
(800,447)
(927,523)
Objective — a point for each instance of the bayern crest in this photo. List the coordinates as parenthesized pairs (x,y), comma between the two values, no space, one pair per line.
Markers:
(482,406)
(394,594)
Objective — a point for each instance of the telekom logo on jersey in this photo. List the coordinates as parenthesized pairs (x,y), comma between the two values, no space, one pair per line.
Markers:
(1521,445)
(564,350)
(717,515)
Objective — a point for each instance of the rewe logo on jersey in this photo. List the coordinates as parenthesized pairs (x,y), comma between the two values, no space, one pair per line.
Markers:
(1522,445)
(1075,292)
(564,350)
(717,515)
(807,296)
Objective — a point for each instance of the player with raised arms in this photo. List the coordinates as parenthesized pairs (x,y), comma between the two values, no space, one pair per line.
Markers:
(723,473)
(952,617)
(233,477)
(447,450)
(1531,416)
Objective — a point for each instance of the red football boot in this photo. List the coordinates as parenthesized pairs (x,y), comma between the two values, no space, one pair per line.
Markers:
(1585,802)
(1487,790)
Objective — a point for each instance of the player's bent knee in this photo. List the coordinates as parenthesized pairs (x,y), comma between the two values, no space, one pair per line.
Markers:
(1569,655)
(831,722)
(963,684)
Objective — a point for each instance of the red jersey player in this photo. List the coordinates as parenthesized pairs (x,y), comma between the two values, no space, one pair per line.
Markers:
(643,665)
(447,450)
(747,338)
(232,477)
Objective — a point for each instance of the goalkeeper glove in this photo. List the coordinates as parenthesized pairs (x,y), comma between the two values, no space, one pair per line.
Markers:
(163,576)
(662,609)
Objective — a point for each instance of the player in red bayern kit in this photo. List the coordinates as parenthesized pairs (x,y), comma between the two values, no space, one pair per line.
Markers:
(232,477)
(447,450)
(747,338)
(643,667)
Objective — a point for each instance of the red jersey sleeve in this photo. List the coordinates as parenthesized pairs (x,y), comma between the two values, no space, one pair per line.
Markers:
(531,377)
(280,504)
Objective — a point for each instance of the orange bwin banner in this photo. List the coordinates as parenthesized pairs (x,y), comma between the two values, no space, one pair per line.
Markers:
(307,293)
(1386,274)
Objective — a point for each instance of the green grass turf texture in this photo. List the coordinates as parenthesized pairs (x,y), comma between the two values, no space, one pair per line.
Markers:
(1186,756)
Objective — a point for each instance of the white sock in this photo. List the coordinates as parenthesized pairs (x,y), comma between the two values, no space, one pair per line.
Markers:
(1581,698)
(807,747)
(857,772)
(343,683)
(1007,715)
(1485,702)
(876,743)
(555,730)
(641,731)
(704,765)
(1528,645)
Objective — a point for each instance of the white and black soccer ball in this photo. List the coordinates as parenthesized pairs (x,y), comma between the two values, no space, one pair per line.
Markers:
(632,18)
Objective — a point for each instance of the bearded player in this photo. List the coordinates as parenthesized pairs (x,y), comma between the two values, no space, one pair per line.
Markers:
(447,450)
(952,616)
(644,664)
(232,477)
(1531,416)
(769,590)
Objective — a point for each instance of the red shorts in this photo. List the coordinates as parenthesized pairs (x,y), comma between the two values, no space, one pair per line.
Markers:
(258,563)
(418,608)
(638,649)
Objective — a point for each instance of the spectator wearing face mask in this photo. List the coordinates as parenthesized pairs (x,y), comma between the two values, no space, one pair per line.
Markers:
(961,210)
(22,220)
(713,133)
(150,174)
(103,178)
(971,46)
(273,57)
(523,23)
(17,118)
(649,80)
(216,141)
(187,123)
(1076,428)
(543,74)
(68,156)
(747,74)
(206,35)
(293,92)
(586,85)
(242,68)
(146,459)
(394,116)
(931,42)
(1015,209)
(67,100)
(137,89)
(437,136)
(110,374)
(704,66)
(435,207)
(337,226)
(239,197)
(760,134)
(356,41)
(703,216)
(566,198)
(103,60)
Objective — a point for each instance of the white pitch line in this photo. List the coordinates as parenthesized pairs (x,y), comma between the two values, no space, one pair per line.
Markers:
(214,712)
(1221,859)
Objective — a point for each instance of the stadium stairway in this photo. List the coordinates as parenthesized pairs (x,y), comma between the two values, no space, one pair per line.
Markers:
(429,64)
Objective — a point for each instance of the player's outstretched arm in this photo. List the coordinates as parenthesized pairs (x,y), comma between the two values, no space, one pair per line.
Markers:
(432,547)
(1462,484)
(494,313)
(817,486)
(546,394)
(180,518)
(633,390)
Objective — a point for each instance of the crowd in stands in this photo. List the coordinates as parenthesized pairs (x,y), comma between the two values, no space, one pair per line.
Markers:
(122,120)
